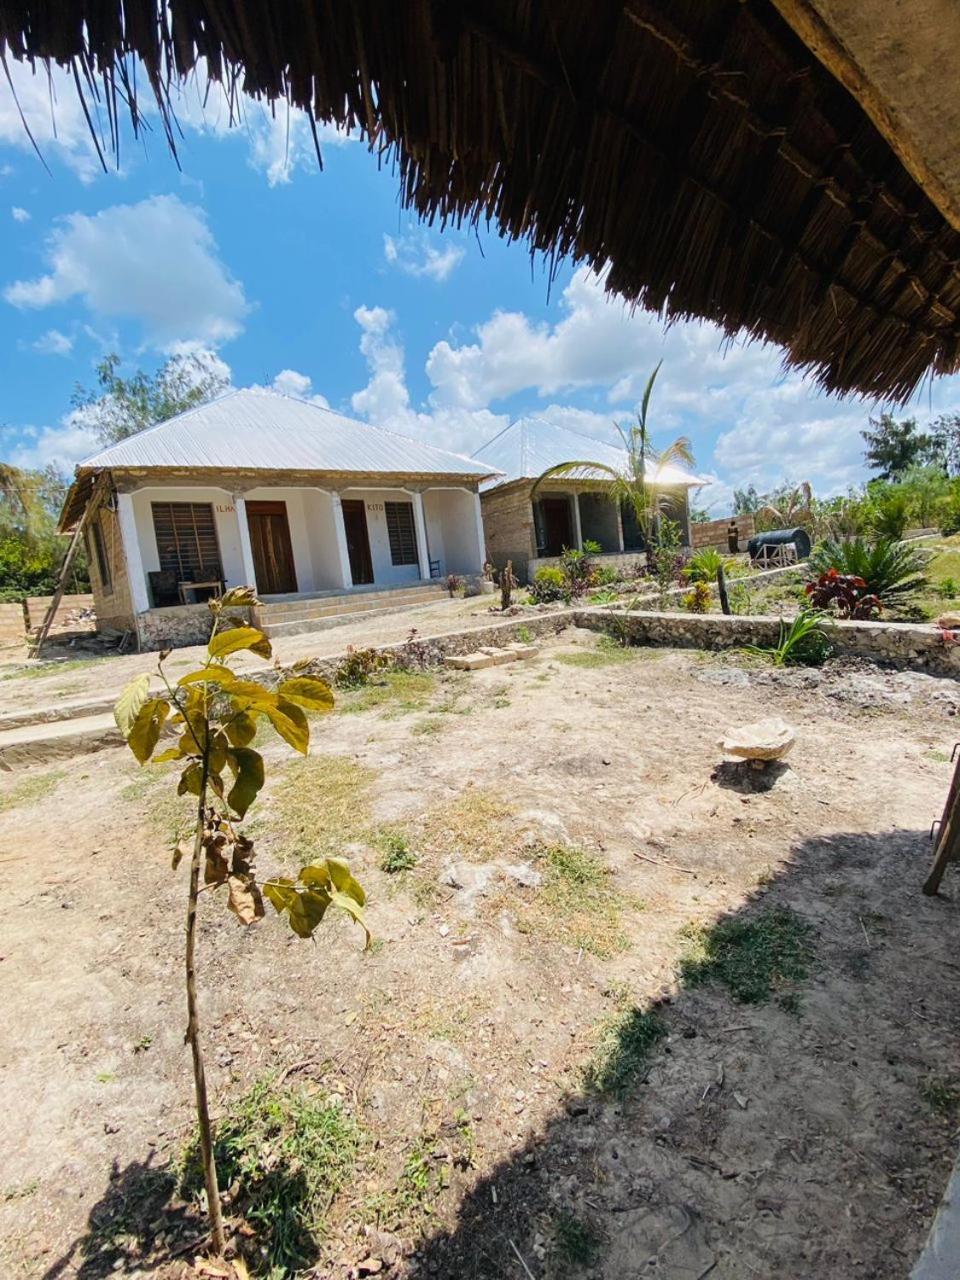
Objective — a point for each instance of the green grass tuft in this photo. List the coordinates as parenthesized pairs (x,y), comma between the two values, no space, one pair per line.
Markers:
(31,790)
(942,1095)
(397,854)
(622,1053)
(577,904)
(754,958)
(288,1155)
(607,652)
(575,1242)
(397,692)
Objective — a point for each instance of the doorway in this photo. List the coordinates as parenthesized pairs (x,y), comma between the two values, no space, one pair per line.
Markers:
(358,540)
(555,526)
(272,550)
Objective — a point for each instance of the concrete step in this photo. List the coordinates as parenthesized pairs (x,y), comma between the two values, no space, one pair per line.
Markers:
(68,709)
(37,743)
(300,626)
(328,606)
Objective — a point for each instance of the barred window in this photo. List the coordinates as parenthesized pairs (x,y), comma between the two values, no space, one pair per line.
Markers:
(187,540)
(402,532)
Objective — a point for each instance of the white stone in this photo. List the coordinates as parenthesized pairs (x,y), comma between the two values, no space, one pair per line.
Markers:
(769,739)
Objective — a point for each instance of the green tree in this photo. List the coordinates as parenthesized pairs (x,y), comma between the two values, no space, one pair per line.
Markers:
(31,550)
(945,431)
(746,502)
(215,714)
(894,447)
(120,407)
(635,484)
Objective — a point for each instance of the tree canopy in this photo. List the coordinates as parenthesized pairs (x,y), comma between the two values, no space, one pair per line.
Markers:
(120,407)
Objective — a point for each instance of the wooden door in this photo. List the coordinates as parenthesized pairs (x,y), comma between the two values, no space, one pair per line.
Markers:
(358,541)
(557,530)
(270,543)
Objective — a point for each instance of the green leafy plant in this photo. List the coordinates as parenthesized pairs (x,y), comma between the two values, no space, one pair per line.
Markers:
(549,584)
(665,556)
(524,635)
(698,600)
(802,642)
(397,854)
(891,571)
(605,596)
(215,714)
(843,593)
(358,665)
(889,513)
(705,564)
(948,589)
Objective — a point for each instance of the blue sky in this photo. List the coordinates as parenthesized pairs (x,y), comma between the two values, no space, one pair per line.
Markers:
(320,284)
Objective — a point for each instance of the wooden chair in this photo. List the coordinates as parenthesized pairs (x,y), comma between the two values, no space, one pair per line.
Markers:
(164,588)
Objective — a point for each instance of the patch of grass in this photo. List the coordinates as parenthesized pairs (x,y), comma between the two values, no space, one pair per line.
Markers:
(938,757)
(397,692)
(421,1181)
(942,1095)
(471,827)
(524,635)
(427,727)
(31,790)
(623,1049)
(288,1154)
(606,652)
(397,854)
(575,1242)
(319,804)
(50,669)
(20,1191)
(576,904)
(754,958)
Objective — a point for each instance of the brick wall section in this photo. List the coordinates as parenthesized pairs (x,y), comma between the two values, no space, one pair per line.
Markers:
(508,527)
(114,607)
(11,625)
(714,532)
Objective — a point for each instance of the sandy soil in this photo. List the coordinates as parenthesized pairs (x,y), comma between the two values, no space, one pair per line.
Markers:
(762,1142)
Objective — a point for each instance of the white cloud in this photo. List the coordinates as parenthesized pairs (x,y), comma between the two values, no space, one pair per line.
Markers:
(62,446)
(19,215)
(53,113)
(413,254)
(154,262)
(53,343)
(291,383)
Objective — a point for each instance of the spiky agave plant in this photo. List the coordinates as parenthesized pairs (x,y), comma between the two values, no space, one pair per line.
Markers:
(634,485)
(891,571)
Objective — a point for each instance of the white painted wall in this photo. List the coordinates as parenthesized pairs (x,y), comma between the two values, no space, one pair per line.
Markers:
(452,530)
(321,514)
(224,516)
(385,572)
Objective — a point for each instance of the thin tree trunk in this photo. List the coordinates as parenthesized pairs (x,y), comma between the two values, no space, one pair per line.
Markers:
(193,1032)
(722,590)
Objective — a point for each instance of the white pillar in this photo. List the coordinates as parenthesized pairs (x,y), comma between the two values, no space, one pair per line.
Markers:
(246,550)
(420,527)
(481,535)
(620,528)
(340,530)
(131,553)
(577,532)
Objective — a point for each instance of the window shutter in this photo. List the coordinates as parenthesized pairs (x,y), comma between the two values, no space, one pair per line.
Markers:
(187,540)
(401,532)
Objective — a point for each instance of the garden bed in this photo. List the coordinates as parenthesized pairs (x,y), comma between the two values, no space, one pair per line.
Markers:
(628,1006)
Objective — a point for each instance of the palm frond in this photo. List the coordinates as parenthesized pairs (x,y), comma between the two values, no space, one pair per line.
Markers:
(645,402)
(568,470)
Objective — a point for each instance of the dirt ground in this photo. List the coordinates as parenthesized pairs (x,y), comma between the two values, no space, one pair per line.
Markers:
(808,1135)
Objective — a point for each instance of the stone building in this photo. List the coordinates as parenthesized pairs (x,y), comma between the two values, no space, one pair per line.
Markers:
(323,515)
(531,529)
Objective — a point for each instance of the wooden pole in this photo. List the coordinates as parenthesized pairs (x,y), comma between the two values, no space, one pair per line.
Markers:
(947,848)
(64,575)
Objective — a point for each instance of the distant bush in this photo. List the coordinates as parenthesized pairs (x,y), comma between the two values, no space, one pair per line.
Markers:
(549,584)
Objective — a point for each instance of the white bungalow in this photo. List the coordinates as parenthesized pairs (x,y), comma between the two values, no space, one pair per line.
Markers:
(259,488)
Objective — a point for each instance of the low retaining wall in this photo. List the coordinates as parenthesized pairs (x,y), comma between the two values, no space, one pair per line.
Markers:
(174,627)
(915,648)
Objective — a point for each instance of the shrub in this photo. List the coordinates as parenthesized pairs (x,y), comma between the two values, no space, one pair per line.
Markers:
(705,564)
(454,584)
(890,511)
(698,600)
(665,557)
(892,572)
(356,668)
(549,584)
(802,642)
(948,589)
(844,593)
(604,575)
(577,569)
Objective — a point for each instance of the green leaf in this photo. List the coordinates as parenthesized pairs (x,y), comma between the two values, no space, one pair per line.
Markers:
(241,730)
(331,877)
(247,767)
(171,753)
(237,638)
(307,692)
(344,882)
(145,731)
(291,724)
(217,758)
(305,909)
(215,673)
(129,703)
(239,597)
(190,780)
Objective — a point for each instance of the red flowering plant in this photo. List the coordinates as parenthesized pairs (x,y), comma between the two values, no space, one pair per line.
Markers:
(844,593)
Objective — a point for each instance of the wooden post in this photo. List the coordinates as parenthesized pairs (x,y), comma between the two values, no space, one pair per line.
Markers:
(722,590)
(947,848)
(64,575)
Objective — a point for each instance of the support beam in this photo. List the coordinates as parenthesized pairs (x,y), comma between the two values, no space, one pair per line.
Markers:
(136,577)
(100,486)
(246,549)
(577,531)
(481,535)
(343,553)
(420,527)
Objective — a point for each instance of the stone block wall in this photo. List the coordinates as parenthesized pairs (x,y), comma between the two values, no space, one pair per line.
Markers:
(714,532)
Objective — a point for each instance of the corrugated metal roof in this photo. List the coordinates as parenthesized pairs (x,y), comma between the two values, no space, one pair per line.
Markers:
(530,446)
(267,431)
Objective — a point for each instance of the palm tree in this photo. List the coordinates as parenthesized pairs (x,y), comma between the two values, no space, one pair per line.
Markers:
(787,507)
(635,484)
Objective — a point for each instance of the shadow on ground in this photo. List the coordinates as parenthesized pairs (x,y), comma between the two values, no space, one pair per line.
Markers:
(737,1133)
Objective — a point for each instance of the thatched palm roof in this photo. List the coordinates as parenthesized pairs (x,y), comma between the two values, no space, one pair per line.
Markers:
(696,148)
